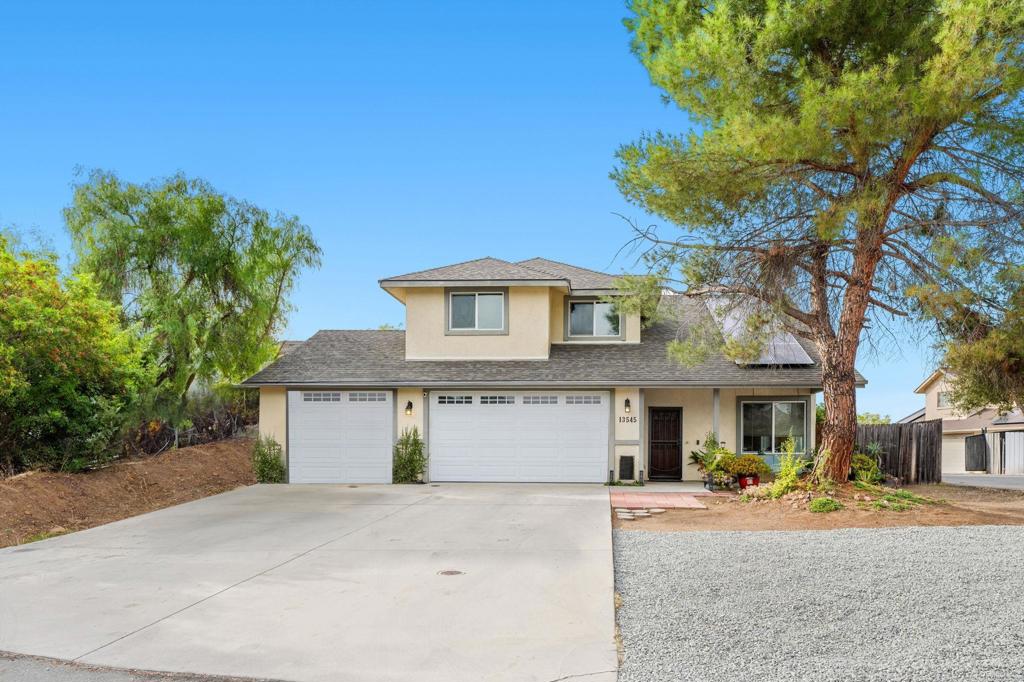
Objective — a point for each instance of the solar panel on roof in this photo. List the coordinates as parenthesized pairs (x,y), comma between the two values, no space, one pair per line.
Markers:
(781,349)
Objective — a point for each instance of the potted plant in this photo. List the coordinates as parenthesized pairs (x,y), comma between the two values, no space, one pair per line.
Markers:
(704,458)
(748,470)
(719,475)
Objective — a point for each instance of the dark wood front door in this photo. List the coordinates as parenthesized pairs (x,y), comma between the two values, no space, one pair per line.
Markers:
(666,444)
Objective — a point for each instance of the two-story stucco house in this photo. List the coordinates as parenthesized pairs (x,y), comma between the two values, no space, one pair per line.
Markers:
(518,371)
(964,450)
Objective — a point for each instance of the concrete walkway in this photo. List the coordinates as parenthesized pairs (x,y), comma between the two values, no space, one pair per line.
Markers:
(449,582)
(1006,482)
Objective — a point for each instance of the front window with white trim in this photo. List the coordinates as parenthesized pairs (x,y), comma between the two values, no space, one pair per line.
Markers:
(476,311)
(765,426)
(593,319)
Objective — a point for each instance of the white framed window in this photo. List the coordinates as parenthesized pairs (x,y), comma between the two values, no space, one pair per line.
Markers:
(540,400)
(476,311)
(582,400)
(765,426)
(367,397)
(942,400)
(454,400)
(593,319)
(497,400)
(321,396)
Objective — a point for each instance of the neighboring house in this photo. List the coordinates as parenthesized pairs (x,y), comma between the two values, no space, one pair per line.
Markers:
(521,372)
(980,441)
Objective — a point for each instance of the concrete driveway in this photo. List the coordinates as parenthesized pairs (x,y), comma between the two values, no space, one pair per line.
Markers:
(1007,481)
(445,582)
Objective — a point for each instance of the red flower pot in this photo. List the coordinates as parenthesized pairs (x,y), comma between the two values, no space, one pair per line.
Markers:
(749,480)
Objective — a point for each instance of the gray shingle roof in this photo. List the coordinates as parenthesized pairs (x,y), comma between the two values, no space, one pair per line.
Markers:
(579,278)
(481,269)
(377,358)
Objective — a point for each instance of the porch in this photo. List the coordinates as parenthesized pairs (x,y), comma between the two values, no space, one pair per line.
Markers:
(656,428)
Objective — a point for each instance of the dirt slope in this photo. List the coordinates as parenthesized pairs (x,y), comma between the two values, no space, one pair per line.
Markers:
(37,502)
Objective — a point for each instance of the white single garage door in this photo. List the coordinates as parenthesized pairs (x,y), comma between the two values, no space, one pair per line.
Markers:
(953,458)
(340,436)
(519,436)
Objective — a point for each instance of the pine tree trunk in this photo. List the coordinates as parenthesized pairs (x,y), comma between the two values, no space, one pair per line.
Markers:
(839,432)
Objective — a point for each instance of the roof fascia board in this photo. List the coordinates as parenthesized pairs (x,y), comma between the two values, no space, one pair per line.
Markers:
(386,283)
(932,378)
(528,384)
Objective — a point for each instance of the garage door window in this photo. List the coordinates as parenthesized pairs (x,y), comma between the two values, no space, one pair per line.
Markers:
(540,400)
(454,400)
(321,397)
(497,400)
(359,397)
(582,400)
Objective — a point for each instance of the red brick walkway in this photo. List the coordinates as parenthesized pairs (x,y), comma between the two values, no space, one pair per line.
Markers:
(630,500)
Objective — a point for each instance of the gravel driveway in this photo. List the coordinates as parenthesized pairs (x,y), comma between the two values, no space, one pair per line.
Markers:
(860,604)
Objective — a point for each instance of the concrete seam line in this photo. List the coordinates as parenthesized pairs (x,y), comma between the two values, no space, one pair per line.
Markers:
(245,580)
(582,675)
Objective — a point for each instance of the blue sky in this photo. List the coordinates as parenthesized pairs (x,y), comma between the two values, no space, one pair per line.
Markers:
(405,134)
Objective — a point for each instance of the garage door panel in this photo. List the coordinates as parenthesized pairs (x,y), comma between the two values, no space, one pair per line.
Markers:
(344,439)
(518,436)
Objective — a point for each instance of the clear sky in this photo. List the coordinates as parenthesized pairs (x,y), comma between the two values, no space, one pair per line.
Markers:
(405,134)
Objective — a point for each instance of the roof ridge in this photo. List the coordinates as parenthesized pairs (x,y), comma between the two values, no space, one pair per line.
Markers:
(448,265)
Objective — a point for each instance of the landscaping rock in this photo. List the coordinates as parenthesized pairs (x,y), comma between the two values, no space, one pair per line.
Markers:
(938,618)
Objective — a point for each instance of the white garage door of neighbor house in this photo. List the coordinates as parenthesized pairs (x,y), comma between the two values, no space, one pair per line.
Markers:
(340,436)
(519,436)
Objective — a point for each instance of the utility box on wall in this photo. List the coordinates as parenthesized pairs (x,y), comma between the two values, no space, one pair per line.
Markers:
(627,468)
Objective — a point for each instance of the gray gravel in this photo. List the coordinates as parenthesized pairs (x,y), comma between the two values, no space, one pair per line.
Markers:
(889,604)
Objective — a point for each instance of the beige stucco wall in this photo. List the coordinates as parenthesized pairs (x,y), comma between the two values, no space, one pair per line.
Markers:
(528,328)
(931,402)
(404,421)
(697,404)
(626,428)
(274,414)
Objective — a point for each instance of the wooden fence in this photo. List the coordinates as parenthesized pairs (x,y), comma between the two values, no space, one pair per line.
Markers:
(910,452)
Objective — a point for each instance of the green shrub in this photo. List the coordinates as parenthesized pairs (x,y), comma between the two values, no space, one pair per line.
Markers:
(704,457)
(748,465)
(268,461)
(790,468)
(69,371)
(724,460)
(824,505)
(865,468)
(409,460)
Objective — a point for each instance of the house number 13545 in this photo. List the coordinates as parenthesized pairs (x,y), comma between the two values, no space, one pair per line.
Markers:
(627,420)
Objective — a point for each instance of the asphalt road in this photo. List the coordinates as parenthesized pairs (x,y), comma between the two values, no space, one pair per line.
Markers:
(985,481)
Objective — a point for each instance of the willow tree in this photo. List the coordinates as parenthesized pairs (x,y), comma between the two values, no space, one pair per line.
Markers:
(205,277)
(843,151)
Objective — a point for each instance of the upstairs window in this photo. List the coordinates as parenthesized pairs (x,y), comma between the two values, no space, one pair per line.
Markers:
(476,311)
(593,319)
(943,400)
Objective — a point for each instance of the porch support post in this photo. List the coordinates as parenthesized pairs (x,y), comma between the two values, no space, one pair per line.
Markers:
(716,400)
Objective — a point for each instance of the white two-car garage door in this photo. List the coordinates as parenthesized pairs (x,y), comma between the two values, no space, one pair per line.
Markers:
(519,436)
(340,436)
